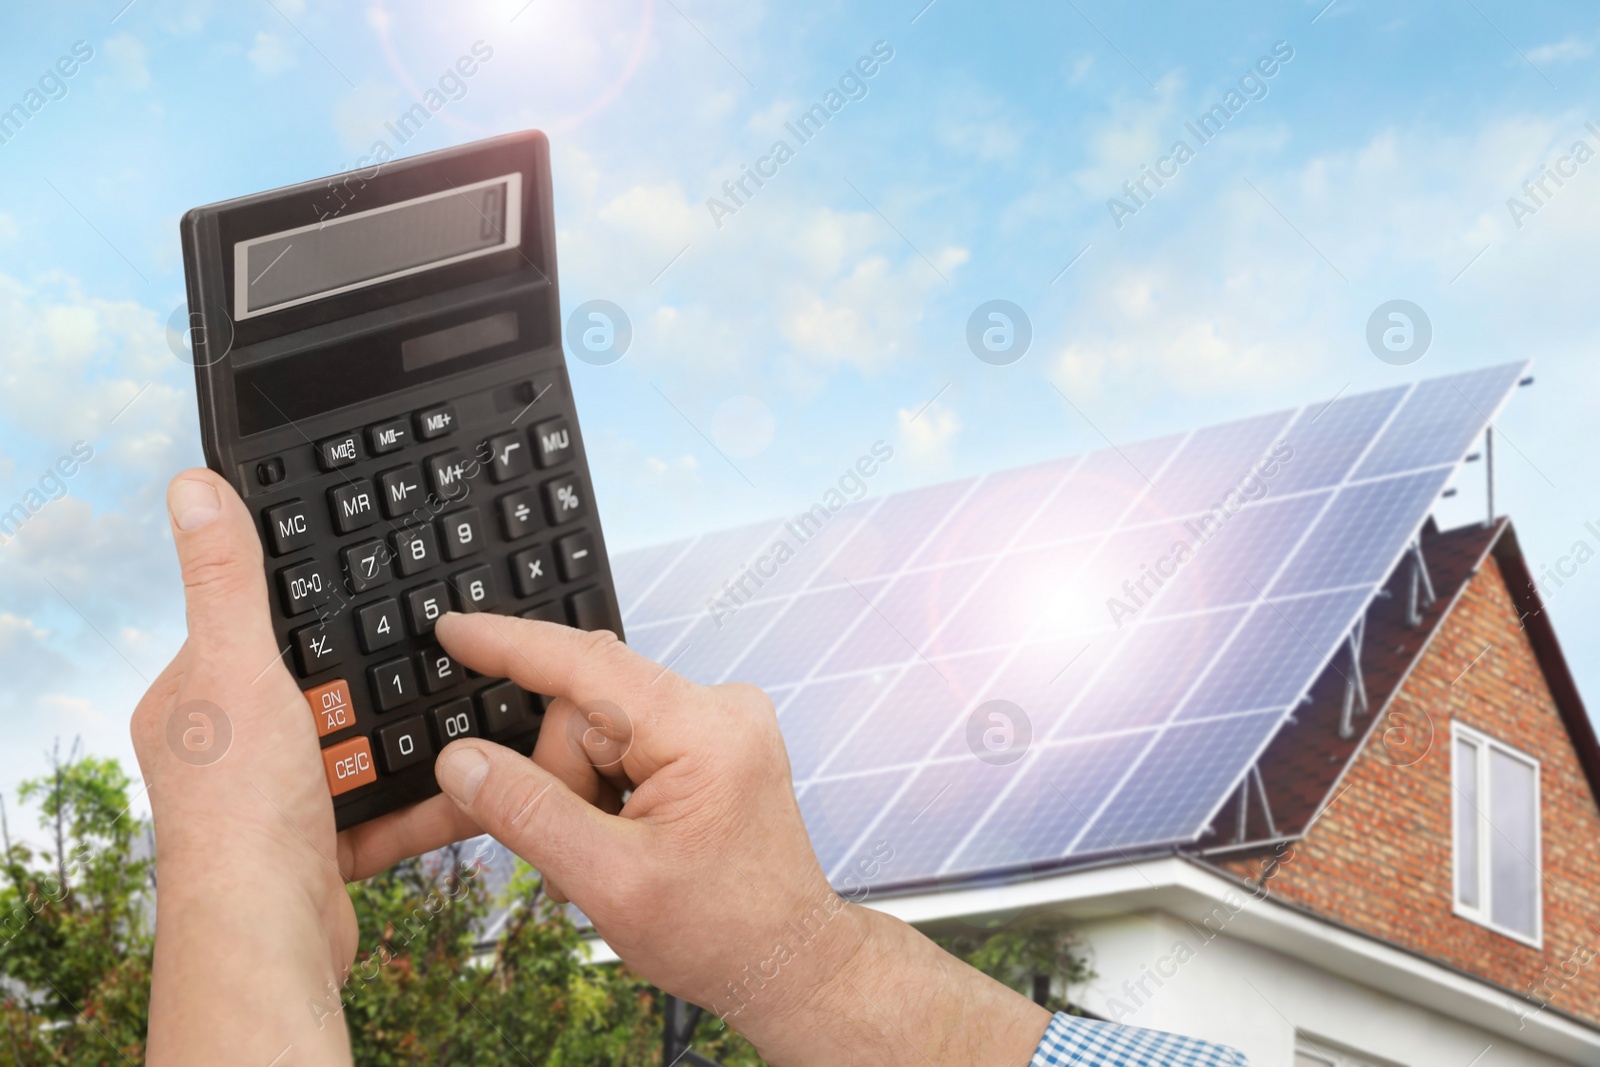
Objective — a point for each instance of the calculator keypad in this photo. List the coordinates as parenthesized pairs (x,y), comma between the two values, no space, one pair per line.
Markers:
(435,510)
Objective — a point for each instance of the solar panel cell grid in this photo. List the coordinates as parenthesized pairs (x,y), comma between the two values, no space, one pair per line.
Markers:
(915,712)
(837,812)
(896,528)
(1326,439)
(1195,764)
(1021,590)
(1281,644)
(939,805)
(818,717)
(1210,466)
(1141,721)
(706,647)
(992,514)
(1233,559)
(1050,802)
(1358,537)
(902,617)
(1100,489)
(1439,420)
(812,623)
(698,574)
(1148,676)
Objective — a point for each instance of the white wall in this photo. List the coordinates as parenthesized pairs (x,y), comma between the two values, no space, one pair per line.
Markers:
(1254,999)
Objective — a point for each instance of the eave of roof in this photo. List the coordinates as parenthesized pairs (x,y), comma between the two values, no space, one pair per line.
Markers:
(1190,889)
(1547,649)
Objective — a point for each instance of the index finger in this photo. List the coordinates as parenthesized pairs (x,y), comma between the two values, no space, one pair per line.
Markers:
(586,667)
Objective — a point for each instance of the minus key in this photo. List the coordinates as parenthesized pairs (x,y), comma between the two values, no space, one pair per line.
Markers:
(576,555)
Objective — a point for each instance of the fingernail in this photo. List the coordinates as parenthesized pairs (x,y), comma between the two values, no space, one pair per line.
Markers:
(193,504)
(460,770)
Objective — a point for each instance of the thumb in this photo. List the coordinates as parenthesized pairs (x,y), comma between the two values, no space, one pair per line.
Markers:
(534,814)
(219,552)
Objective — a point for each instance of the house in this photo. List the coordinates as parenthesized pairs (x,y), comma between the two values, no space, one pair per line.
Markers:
(1369,913)
(1308,773)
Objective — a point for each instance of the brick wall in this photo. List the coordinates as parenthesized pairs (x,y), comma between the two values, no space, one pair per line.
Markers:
(1379,858)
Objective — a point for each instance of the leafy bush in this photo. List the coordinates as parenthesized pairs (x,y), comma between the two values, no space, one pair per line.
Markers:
(76,939)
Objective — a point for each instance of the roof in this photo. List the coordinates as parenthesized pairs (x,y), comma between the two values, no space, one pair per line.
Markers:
(1302,768)
(892,632)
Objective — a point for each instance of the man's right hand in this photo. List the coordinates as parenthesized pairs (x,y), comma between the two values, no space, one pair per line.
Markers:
(665,811)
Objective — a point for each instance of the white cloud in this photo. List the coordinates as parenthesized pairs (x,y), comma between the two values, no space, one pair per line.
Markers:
(1221,294)
(70,363)
(684,464)
(129,60)
(834,288)
(656,219)
(359,116)
(271,53)
(925,437)
(1566,50)
(977,123)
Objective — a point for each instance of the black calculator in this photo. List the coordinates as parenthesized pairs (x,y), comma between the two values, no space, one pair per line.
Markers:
(380,375)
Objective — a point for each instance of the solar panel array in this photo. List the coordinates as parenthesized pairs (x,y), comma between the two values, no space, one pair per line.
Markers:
(884,629)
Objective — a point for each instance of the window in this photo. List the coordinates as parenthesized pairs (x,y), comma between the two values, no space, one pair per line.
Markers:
(1498,866)
(1320,1052)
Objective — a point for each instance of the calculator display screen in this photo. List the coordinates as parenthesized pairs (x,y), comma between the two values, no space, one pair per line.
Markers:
(351,251)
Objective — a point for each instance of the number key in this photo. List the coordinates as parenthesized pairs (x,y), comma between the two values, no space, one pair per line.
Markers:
(425,604)
(366,565)
(415,549)
(439,671)
(462,533)
(404,744)
(379,625)
(393,684)
(475,589)
(453,720)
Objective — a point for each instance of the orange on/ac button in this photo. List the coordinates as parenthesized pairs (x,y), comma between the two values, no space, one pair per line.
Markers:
(330,703)
(349,765)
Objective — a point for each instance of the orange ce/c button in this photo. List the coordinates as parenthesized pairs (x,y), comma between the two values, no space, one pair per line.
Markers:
(330,703)
(349,765)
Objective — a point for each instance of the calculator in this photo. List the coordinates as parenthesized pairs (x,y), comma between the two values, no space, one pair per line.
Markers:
(380,375)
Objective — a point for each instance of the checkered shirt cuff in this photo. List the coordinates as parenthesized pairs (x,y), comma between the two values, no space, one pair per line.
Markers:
(1074,1042)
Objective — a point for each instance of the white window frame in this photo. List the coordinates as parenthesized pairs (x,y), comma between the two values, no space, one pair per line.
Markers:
(1485,831)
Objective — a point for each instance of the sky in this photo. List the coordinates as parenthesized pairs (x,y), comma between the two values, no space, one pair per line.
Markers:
(779,332)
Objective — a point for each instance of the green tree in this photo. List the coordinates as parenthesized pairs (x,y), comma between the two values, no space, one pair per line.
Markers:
(431,984)
(425,990)
(75,937)
(1039,956)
